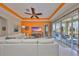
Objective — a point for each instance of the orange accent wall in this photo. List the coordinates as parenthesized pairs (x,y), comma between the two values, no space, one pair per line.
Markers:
(32,24)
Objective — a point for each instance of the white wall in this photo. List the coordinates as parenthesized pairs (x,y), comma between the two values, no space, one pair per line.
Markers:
(3,23)
(11,21)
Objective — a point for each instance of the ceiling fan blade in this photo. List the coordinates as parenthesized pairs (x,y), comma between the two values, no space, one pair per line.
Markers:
(31,17)
(38,13)
(28,13)
(36,16)
(33,10)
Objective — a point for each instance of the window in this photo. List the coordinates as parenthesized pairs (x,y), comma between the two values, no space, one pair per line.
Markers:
(68,26)
(53,27)
(58,26)
(75,32)
(75,26)
(46,30)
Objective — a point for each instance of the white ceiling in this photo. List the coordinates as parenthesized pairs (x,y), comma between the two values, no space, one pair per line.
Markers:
(8,16)
(67,8)
(45,8)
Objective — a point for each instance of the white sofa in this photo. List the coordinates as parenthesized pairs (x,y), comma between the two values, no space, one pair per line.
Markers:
(29,47)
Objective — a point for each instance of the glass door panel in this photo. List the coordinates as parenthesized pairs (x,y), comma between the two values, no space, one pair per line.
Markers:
(75,32)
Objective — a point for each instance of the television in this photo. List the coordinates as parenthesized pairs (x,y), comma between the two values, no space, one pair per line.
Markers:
(36,29)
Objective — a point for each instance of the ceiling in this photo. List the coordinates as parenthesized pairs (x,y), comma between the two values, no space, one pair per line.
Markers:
(66,9)
(45,8)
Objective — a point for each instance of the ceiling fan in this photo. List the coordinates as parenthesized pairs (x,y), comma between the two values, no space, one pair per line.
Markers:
(33,14)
